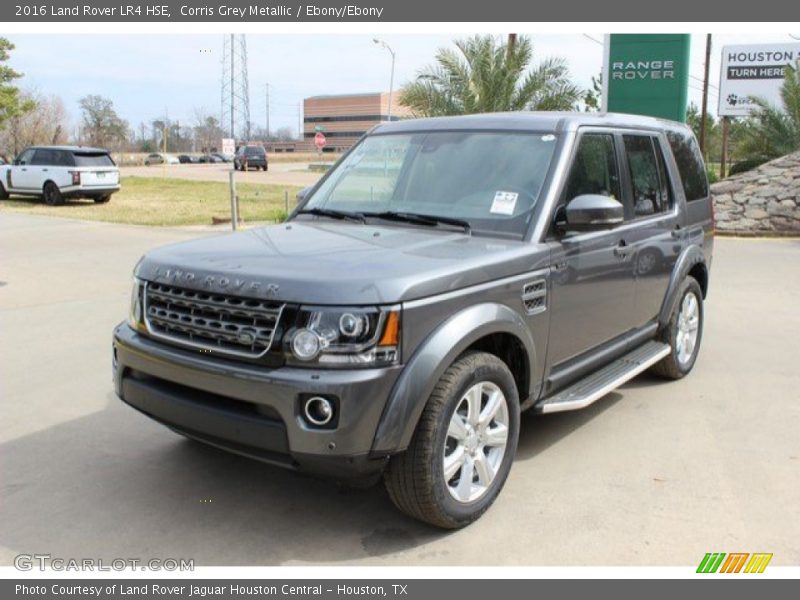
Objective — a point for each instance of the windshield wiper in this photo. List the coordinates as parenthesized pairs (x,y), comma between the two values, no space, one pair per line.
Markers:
(420,219)
(334,214)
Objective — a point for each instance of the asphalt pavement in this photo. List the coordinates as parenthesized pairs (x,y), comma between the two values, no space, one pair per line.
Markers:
(656,473)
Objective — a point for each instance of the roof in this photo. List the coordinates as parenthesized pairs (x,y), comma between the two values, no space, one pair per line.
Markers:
(71,148)
(334,96)
(527,121)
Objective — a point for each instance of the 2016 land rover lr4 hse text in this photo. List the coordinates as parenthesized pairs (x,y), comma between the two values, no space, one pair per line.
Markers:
(443,276)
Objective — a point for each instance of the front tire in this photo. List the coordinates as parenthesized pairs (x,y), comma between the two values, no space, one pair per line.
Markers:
(3,192)
(463,447)
(52,195)
(683,332)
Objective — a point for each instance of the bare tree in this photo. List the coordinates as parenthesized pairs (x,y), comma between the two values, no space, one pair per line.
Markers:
(102,126)
(46,122)
(207,132)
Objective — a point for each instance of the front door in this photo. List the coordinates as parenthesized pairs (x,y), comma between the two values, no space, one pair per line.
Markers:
(592,296)
(23,175)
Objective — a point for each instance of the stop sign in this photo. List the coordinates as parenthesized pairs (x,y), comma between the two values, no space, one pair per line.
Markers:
(319,140)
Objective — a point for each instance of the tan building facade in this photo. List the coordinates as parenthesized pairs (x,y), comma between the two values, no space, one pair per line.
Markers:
(343,119)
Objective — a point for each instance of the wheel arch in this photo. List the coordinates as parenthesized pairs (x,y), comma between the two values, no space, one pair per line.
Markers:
(691,262)
(489,327)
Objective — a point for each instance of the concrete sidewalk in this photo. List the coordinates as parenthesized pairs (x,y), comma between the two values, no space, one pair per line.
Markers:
(657,473)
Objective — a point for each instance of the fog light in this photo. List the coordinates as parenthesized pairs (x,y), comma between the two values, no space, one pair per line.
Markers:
(306,344)
(318,411)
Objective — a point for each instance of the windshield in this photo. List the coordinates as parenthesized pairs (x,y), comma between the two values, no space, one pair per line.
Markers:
(491,180)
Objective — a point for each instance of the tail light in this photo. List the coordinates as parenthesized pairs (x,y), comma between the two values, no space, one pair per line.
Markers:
(76,177)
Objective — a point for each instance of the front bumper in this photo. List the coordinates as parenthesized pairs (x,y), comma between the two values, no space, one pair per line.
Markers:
(254,410)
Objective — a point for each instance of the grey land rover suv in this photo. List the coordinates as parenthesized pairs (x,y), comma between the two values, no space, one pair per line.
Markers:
(443,276)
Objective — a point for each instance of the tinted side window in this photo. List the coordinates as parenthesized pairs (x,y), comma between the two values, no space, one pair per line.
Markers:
(690,164)
(649,191)
(594,170)
(43,157)
(64,159)
(25,157)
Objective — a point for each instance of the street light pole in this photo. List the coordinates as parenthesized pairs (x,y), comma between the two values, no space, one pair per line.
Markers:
(391,77)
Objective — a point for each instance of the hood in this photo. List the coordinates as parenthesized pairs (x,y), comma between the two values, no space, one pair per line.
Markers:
(338,263)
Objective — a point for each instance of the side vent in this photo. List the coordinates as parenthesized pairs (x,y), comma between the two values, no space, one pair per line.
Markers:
(534,296)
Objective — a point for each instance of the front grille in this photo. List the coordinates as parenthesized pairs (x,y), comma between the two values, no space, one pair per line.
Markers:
(205,320)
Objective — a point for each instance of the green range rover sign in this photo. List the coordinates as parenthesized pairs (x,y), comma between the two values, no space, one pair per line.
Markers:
(647,75)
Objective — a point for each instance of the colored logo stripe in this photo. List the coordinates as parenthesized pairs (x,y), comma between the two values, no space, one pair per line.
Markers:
(758,563)
(716,561)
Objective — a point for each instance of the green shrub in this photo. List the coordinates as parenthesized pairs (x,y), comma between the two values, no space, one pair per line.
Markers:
(746,165)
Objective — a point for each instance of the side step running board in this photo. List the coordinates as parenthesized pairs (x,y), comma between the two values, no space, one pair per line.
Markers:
(596,385)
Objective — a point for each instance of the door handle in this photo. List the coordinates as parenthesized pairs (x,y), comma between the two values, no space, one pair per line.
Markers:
(44,170)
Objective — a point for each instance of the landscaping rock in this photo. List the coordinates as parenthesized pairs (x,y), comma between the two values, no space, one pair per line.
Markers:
(762,201)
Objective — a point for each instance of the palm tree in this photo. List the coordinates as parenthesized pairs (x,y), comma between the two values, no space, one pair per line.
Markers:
(772,132)
(484,74)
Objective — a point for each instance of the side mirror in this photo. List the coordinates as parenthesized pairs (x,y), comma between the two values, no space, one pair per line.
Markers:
(592,212)
(301,195)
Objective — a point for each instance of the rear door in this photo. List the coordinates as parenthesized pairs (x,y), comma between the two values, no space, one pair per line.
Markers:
(592,273)
(97,169)
(652,220)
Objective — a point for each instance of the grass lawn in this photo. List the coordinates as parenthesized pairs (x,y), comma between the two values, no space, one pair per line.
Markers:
(168,202)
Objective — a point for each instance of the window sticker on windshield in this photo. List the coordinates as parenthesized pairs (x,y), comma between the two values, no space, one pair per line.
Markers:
(504,203)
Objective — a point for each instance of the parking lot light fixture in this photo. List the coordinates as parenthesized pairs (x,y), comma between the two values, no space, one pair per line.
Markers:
(391,76)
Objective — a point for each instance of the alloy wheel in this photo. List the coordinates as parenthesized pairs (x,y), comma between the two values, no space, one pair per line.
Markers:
(476,441)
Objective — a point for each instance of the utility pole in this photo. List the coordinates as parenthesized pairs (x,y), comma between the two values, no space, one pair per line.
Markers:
(704,111)
(724,157)
(233,93)
(267,111)
(234,88)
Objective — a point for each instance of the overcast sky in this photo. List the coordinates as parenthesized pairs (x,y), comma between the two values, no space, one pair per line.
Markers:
(147,75)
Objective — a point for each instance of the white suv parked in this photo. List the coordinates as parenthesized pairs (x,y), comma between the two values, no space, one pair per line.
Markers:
(59,172)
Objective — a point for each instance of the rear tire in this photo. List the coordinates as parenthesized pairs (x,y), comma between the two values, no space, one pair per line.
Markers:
(52,195)
(466,433)
(102,199)
(683,332)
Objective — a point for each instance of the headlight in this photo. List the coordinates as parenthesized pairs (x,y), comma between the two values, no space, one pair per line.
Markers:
(136,313)
(345,336)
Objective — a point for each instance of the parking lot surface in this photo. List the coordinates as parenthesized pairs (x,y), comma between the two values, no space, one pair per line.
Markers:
(280,173)
(656,473)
